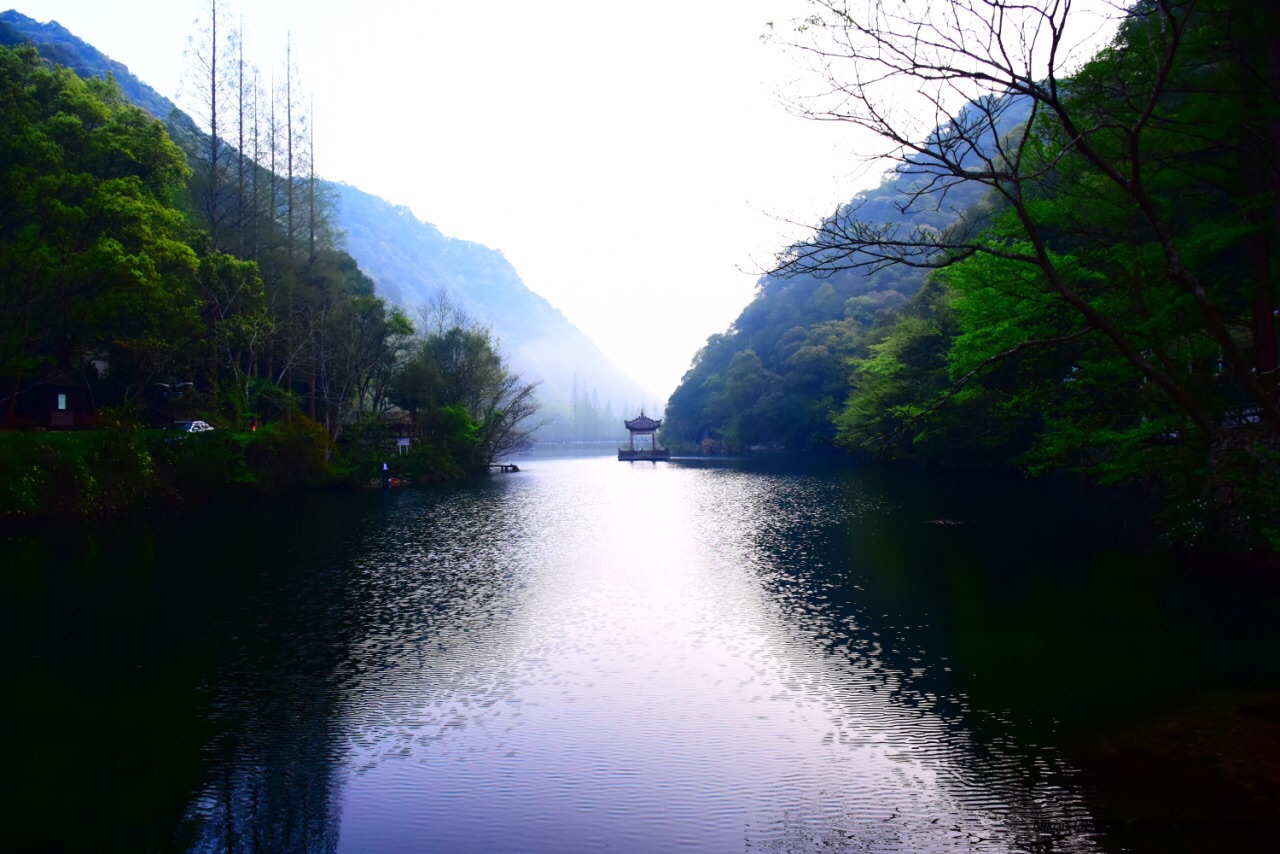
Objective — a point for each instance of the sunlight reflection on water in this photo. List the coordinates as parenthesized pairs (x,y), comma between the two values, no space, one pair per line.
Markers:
(644,657)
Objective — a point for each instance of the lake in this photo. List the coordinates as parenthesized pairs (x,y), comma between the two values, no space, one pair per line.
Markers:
(702,655)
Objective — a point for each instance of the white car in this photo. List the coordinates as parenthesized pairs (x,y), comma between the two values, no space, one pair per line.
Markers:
(190,426)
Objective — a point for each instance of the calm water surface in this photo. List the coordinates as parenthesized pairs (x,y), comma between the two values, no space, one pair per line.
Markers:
(594,655)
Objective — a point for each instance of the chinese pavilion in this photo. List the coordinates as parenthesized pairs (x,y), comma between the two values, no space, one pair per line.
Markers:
(643,426)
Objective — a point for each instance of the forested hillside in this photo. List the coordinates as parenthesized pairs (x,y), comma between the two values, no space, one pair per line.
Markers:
(776,377)
(409,261)
(1098,256)
(146,277)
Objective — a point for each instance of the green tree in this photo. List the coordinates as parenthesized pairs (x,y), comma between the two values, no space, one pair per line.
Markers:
(92,263)
(460,368)
(237,328)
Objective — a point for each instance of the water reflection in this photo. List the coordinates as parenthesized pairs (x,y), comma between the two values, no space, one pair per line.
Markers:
(272,764)
(101,713)
(592,654)
(640,656)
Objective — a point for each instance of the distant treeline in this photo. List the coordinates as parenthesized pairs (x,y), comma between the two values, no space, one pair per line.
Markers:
(587,418)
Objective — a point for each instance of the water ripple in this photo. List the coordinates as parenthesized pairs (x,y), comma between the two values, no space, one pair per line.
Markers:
(633,656)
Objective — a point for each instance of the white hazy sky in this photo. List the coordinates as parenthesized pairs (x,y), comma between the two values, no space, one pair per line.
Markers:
(633,161)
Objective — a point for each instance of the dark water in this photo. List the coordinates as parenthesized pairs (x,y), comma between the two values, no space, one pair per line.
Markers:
(594,655)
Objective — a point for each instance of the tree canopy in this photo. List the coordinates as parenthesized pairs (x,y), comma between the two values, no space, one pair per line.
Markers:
(93,265)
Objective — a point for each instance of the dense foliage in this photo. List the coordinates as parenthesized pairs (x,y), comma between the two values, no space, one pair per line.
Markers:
(91,473)
(138,277)
(453,380)
(93,261)
(1104,303)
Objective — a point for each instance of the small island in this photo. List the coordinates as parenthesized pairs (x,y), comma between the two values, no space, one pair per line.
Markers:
(643,426)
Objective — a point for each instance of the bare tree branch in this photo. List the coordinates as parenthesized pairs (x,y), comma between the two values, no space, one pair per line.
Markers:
(933,81)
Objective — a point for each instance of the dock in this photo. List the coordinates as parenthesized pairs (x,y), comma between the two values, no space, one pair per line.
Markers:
(504,467)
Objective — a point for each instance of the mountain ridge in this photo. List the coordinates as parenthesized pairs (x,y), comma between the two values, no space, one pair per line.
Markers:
(58,44)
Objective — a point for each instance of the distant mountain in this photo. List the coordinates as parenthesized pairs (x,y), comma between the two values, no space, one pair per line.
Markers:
(410,260)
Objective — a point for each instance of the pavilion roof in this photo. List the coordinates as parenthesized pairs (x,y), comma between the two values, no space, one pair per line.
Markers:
(642,423)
